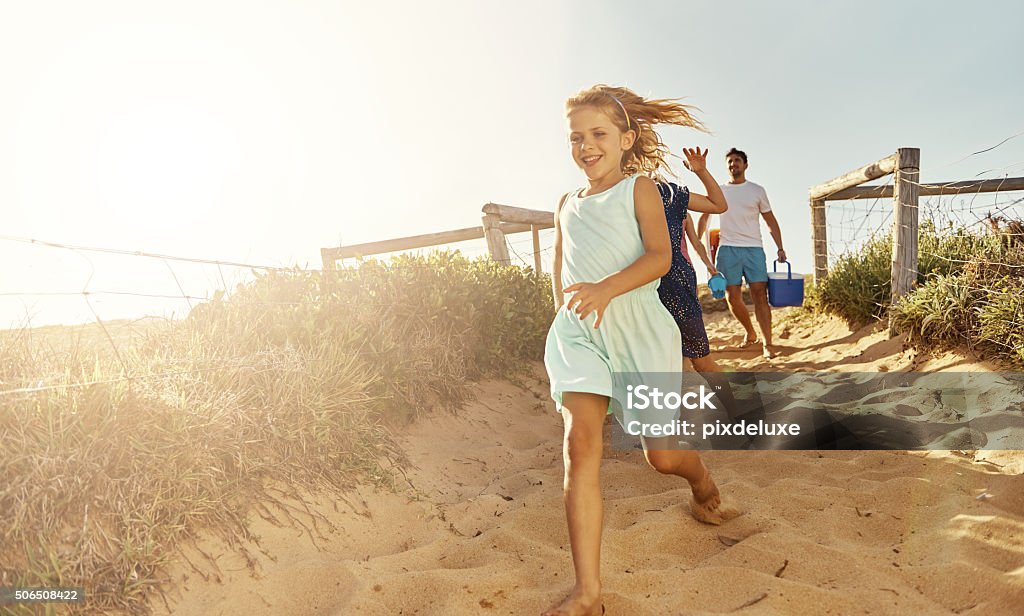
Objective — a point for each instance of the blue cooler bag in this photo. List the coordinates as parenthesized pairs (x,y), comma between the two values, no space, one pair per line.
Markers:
(785,289)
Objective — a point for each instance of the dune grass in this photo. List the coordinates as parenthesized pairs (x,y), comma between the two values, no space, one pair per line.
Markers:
(979,307)
(858,285)
(117,449)
(968,289)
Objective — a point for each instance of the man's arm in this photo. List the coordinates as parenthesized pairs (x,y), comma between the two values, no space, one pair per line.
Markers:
(773,228)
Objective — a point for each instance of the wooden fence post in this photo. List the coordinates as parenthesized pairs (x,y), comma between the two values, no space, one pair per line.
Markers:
(905,224)
(327,256)
(536,248)
(496,239)
(819,240)
(327,273)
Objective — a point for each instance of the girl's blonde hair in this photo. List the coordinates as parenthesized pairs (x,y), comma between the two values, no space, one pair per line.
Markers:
(630,111)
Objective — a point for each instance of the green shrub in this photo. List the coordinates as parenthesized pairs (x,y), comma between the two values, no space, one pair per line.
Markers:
(858,287)
(950,250)
(976,304)
(1001,320)
(427,322)
(942,310)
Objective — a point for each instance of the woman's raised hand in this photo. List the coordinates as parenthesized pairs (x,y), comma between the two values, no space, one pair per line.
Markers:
(696,161)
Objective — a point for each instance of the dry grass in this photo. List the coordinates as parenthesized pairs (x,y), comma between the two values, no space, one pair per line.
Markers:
(118,444)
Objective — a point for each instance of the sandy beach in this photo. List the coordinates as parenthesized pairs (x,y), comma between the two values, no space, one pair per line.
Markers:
(477,526)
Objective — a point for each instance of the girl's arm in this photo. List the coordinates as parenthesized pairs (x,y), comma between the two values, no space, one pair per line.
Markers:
(653,264)
(556,266)
(698,247)
(714,203)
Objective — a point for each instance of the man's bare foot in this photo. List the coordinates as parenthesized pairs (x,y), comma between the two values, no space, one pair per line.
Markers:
(706,505)
(768,351)
(579,603)
(748,340)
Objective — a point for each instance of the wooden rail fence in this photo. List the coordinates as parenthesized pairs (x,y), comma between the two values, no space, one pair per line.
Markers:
(498,221)
(905,192)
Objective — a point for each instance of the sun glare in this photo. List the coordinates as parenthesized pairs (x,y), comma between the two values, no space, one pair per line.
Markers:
(162,163)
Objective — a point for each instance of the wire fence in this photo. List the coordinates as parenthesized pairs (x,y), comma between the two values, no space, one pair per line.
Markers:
(522,252)
(970,260)
(176,291)
(853,222)
(168,285)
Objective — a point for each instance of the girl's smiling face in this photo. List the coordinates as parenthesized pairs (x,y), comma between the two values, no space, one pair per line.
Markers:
(597,144)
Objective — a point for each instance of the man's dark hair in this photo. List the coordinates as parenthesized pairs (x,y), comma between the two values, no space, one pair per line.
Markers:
(739,153)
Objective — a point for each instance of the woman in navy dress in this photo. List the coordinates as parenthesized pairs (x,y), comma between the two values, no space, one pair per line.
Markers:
(678,288)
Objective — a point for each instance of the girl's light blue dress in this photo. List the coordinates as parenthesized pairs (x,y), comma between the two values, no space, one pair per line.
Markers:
(637,336)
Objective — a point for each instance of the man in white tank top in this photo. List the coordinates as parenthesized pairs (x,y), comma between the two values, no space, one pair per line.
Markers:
(740,252)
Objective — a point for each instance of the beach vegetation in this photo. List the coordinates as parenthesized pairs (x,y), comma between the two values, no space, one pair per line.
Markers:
(122,441)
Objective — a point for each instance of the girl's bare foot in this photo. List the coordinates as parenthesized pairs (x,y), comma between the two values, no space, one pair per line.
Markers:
(706,505)
(748,340)
(768,351)
(579,603)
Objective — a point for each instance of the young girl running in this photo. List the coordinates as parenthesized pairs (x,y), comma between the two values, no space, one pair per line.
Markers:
(611,249)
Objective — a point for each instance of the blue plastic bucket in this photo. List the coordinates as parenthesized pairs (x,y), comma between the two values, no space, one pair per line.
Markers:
(785,289)
(717,285)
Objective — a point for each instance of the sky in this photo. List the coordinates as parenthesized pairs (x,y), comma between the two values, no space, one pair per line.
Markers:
(260,132)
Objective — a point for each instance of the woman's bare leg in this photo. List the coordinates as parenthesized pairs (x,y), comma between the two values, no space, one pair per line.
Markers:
(710,370)
(705,364)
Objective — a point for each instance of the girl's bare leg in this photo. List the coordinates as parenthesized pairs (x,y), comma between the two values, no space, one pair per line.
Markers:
(584,415)
(706,505)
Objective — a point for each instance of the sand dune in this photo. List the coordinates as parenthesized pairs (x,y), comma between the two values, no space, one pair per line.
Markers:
(478,528)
